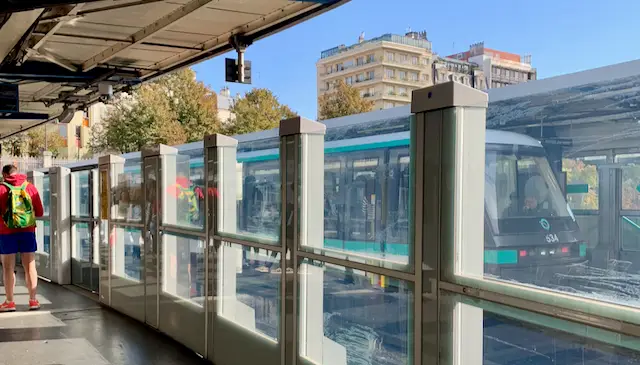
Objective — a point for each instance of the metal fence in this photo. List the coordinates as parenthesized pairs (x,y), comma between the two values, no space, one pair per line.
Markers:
(25,164)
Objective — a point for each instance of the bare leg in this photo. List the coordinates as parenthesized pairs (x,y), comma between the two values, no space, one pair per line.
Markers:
(30,273)
(9,277)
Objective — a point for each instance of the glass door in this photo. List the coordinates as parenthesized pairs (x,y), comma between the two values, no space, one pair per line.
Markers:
(85,255)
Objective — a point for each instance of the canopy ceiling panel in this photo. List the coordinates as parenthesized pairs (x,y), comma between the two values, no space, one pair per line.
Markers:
(59,55)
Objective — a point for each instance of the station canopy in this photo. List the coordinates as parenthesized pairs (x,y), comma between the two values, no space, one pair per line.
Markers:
(60,54)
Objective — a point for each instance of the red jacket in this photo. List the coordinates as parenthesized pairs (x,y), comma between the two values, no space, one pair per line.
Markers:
(17,180)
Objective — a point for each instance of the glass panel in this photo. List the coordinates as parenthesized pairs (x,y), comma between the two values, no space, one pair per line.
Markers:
(82,194)
(487,333)
(81,255)
(631,186)
(183,267)
(582,181)
(353,317)
(128,194)
(43,240)
(258,194)
(366,192)
(589,228)
(184,189)
(249,282)
(630,233)
(125,258)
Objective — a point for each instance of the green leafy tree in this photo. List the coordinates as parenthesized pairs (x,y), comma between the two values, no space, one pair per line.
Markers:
(258,110)
(37,139)
(172,110)
(342,101)
(579,172)
(14,145)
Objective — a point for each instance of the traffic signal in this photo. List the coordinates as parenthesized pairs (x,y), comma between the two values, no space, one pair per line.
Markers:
(232,71)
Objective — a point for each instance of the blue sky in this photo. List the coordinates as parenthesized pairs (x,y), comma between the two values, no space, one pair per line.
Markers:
(563,36)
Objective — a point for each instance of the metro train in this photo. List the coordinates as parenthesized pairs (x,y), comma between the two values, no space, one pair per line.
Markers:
(528,223)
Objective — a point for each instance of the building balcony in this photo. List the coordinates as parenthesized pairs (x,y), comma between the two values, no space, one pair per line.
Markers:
(395,96)
(405,64)
(346,70)
(406,81)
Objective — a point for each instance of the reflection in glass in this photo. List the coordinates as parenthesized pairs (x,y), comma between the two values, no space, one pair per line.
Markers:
(631,233)
(487,333)
(532,236)
(249,283)
(126,259)
(258,194)
(82,252)
(352,317)
(81,194)
(183,270)
(46,194)
(184,192)
(583,181)
(366,196)
(128,191)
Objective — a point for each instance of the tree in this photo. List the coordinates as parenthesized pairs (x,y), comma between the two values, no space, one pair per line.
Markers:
(258,110)
(344,100)
(14,145)
(172,110)
(37,140)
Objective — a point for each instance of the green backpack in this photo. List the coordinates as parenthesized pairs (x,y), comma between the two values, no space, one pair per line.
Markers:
(19,212)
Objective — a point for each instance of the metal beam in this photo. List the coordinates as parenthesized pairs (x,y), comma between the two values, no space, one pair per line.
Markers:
(144,33)
(260,28)
(54,58)
(48,72)
(13,31)
(15,6)
(80,14)
(47,90)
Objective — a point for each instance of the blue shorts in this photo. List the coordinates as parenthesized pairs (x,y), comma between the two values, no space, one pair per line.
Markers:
(23,242)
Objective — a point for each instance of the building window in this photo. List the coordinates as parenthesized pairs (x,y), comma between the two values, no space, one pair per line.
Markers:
(63,130)
(390,56)
(414,60)
(402,91)
(349,80)
(413,76)
(404,58)
(450,77)
(359,61)
(329,69)
(371,75)
(370,58)
(402,75)
(391,90)
(390,74)
(388,105)
(360,78)
(425,77)
(340,67)
(425,61)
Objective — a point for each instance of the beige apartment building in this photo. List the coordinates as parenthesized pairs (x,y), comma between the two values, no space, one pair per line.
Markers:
(384,69)
(388,68)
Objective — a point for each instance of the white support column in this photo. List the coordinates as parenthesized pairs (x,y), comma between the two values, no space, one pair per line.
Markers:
(302,146)
(32,176)
(60,216)
(109,167)
(163,269)
(448,139)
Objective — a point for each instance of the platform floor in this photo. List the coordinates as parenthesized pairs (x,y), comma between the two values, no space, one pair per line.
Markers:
(73,329)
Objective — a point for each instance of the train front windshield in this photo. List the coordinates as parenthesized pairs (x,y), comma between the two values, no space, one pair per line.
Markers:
(521,192)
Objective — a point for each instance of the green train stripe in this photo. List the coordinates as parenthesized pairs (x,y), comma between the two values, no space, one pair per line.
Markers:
(500,257)
(341,149)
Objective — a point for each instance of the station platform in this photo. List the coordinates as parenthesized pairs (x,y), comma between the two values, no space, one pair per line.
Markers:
(72,328)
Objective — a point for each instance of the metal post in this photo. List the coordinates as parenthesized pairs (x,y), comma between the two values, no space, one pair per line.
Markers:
(448,147)
(60,218)
(301,142)
(220,202)
(108,167)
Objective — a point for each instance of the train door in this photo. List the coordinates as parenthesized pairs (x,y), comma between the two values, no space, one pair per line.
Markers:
(397,220)
(364,199)
(334,183)
(85,255)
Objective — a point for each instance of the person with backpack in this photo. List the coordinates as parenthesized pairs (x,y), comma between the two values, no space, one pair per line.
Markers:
(20,204)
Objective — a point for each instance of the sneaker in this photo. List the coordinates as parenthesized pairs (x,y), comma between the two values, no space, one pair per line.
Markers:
(8,307)
(33,305)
